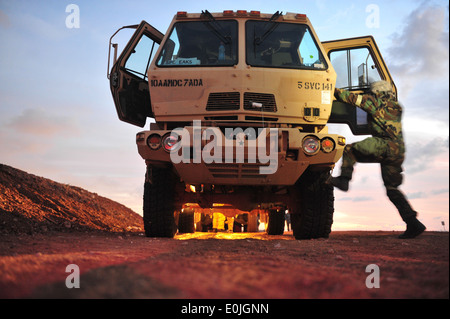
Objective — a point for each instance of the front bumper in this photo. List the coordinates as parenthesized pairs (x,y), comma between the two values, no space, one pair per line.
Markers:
(207,156)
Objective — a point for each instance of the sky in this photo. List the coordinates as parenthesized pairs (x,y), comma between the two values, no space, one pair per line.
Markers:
(58,120)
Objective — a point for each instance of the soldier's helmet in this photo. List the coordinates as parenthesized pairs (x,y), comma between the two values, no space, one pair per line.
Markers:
(381,86)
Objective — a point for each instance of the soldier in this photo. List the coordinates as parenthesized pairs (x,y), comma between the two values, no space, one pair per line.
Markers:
(386,146)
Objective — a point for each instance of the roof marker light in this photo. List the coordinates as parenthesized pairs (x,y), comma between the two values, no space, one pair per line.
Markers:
(254,13)
(181,14)
(228,13)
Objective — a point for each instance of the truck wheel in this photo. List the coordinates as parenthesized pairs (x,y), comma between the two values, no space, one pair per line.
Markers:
(186,222)
(158,203)
(313,215)
(252,223)
(276,222)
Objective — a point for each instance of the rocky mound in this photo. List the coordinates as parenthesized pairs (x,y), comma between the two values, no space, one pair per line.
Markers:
(30,204)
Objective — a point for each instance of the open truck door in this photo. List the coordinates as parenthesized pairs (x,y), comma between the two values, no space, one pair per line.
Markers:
(357,62)
(128,77)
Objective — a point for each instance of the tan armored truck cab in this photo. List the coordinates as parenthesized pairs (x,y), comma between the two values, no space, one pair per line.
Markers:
(240,102)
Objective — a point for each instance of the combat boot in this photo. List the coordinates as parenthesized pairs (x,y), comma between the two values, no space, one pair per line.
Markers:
(413,228)
(340,182)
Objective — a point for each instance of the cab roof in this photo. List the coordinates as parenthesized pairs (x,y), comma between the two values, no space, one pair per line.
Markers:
(277,16)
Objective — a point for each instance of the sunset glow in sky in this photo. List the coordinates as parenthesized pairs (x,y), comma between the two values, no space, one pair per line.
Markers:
(57,116)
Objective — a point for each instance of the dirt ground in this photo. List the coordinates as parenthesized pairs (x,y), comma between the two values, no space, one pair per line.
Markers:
(224,265)
(46,226)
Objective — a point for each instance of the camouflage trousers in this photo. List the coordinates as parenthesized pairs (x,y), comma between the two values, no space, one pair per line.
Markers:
(390,155)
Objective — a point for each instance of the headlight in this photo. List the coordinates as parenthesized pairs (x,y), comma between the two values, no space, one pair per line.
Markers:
(154,141)
(311,145)
(170,142)
(327,145)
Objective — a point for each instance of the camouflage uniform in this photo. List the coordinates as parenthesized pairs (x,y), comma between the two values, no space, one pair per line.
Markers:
(386,146)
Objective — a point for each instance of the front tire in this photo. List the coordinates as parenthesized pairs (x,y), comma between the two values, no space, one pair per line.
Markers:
(276,222)
(312,216)
(159,190)
(186,221)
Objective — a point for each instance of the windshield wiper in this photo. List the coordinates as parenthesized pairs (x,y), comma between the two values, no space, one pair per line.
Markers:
(215,27)
(273,26)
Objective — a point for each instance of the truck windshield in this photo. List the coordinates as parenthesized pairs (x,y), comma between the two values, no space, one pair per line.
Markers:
(282,45)
(200,43)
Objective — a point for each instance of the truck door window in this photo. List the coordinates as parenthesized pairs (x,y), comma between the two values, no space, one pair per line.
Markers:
(282,45)
(358,63)
(355,68)
(200,43)
(139,59)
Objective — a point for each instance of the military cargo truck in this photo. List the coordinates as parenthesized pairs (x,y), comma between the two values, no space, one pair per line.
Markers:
(240,101)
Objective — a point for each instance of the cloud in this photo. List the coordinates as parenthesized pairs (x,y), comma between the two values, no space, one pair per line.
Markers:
(357,199)
(335,19)
(33,133)
(39,121)
(416,195)
(439,191)
(420,50)
(44,29)
(421,155)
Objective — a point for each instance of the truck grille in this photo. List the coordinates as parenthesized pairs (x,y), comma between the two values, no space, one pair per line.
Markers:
(267,101)
(236,170)
(223,101)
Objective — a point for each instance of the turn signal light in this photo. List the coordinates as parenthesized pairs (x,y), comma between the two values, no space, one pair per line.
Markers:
(341,140)
(140,137)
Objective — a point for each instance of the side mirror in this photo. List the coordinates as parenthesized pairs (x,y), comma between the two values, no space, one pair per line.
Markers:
(115,46)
